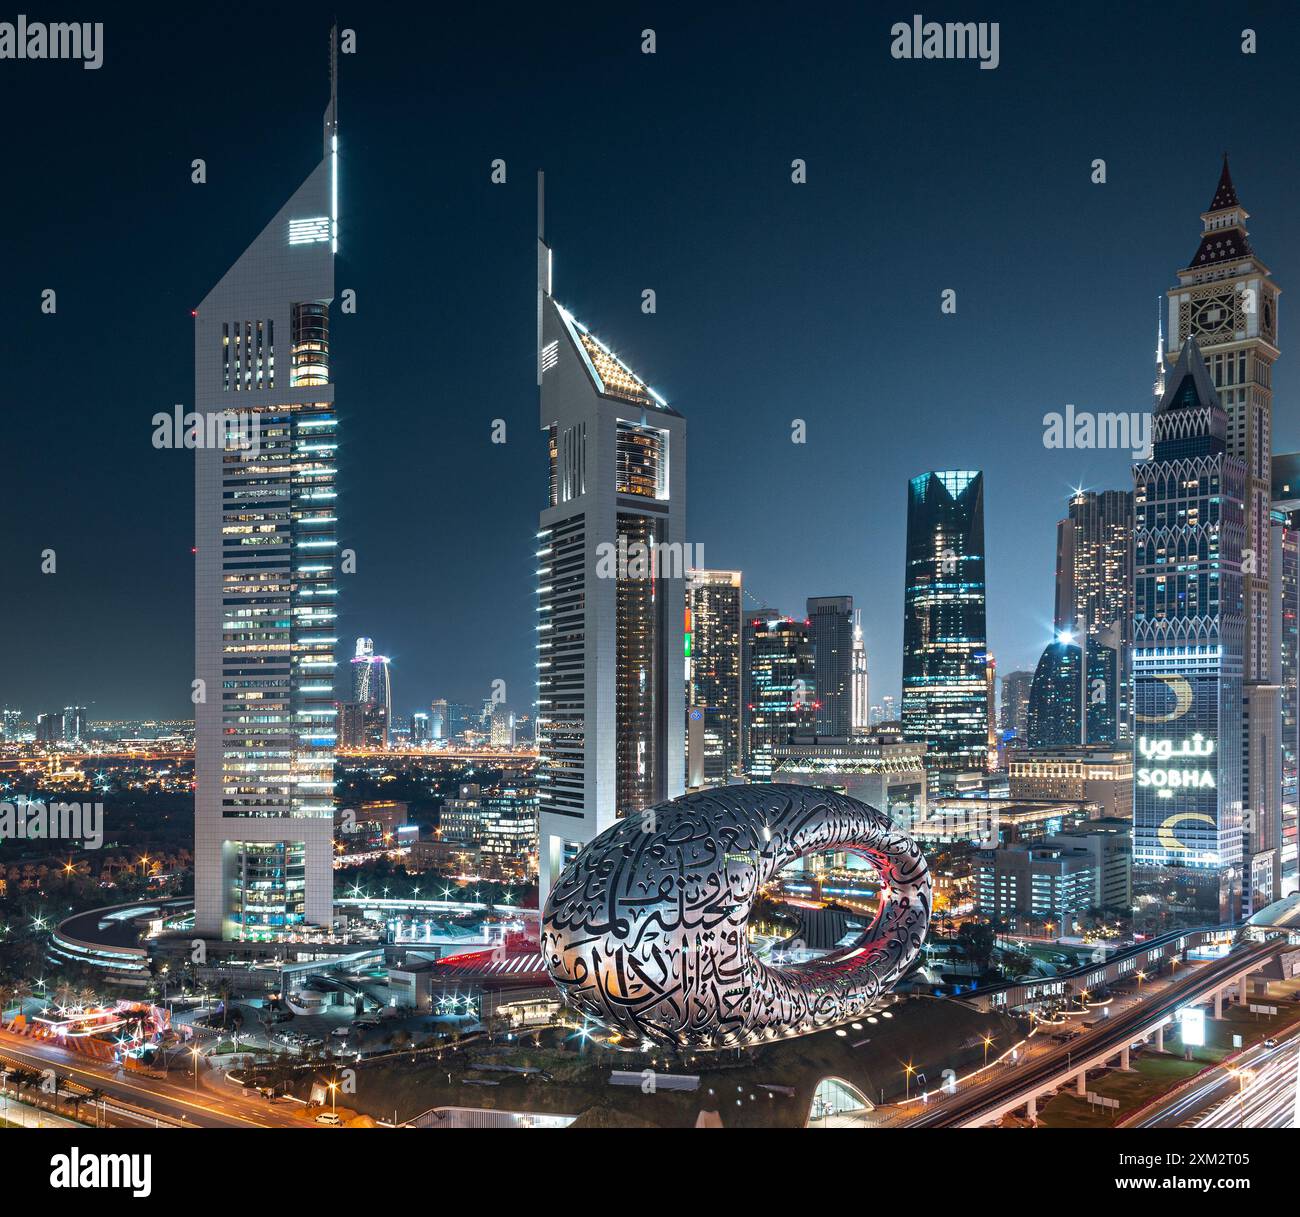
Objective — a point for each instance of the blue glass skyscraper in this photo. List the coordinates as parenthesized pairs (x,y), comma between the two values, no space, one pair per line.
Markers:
(945,640)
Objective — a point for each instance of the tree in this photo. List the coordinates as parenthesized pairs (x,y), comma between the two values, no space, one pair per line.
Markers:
(977,940)
(96,1098)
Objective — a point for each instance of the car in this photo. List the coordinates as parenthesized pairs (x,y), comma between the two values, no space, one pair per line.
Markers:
(340,1033)
(1271,1042)
(330,1118)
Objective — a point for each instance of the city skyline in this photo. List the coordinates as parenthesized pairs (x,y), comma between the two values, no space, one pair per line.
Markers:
(517,639)
(610,255)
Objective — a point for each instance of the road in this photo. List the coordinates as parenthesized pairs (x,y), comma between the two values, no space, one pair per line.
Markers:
(1124,1027)
(1256,1089)
(144,1100)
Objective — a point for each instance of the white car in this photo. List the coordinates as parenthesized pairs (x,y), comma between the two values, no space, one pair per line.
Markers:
(329,1117)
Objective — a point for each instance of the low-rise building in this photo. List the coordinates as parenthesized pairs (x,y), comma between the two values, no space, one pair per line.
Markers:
(1101,775)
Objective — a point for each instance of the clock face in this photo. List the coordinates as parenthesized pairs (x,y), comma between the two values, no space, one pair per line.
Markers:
(1268,316)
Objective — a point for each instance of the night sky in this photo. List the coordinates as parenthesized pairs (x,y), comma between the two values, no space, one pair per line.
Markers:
(775,301)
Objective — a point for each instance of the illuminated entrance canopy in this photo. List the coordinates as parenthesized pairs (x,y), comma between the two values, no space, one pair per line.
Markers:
(646,928)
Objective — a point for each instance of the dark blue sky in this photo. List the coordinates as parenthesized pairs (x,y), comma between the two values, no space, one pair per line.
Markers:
(669,172)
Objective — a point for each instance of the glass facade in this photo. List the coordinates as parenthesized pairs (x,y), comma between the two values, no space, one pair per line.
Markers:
(640,635)
(1055,697)
(713,668)
(1188,637)
(311,344)
(641,456)
(780,688)
(945,651)
(267,888)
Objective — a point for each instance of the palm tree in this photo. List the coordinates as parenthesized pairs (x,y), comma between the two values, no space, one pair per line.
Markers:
(96,1099)
(223,992)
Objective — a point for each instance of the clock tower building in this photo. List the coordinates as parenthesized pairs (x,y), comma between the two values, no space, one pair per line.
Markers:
(1227,301)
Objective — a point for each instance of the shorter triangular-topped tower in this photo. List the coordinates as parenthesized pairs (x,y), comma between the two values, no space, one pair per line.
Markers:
(610,633)
(1189,408)
(1188,631)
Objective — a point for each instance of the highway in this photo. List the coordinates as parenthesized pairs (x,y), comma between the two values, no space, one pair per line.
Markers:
(1113,1034)
(143,1100)
(1257,1088)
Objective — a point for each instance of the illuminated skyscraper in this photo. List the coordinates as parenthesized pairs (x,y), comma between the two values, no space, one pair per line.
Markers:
(713,675)
(831,621)
(1285,586)
(861,680)
(76,729)
(945,695)
(1094,580)
(372,685)
(501,731)
(265,590)
(49,728)
(780,687)
(439,724)
(1014,715)
(1227,300)
(1057,697)
(1187,660)
(611,567)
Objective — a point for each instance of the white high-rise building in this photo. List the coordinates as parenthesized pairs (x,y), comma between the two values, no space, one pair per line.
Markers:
(266,551)
(610,629)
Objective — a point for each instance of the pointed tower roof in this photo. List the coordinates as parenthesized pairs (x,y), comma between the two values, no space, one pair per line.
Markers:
(610,376)
(1223,235)
(1189,385)
(1226,195)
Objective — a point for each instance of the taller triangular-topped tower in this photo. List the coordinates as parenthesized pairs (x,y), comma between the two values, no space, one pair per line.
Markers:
(265,579)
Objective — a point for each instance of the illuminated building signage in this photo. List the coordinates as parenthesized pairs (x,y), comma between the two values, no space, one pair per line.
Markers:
(1165,774)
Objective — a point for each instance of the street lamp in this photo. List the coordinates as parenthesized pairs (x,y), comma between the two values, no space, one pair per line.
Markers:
(194,1054)
(907,1080)
(334,1090)
(988,1040)
(1244,1078)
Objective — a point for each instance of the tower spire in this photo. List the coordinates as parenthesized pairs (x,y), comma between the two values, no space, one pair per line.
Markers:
(543,266)
(1225,194)
(1158,389)
(332,110)
(332,137)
